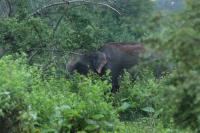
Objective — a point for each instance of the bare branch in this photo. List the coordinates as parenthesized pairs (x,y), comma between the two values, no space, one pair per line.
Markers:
(57,24)
(95,3)
(56,50)
(61,18)
(76,53)
(48,6)
(9,7)
(72,1)
(32,55)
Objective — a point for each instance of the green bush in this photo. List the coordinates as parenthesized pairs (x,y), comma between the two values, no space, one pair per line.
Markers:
(146,125)
(184,85)
(182,88)
(52,105)
(14,85)
(139,96)
(23,35)
(73,105)
(31,102)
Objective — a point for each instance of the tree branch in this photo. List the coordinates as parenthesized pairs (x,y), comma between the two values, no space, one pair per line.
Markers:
(32,55)
(56,50)
(57,24)
(72,1)
(9,7)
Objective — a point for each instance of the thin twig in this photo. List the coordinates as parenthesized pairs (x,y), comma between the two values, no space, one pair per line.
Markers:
(57,24)
(47,6)
(102,4)
(9,7)
(73,1)
(56,50)
(46,66)
(31,57)
(65,63)
(76,53)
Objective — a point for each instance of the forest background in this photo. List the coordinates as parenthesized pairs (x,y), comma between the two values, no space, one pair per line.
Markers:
(37,94)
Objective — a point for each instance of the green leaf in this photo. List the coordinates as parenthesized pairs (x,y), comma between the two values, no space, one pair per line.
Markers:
(93,125)
(108,125)
(148,109)
(98,116)
(91,122)
(124,106)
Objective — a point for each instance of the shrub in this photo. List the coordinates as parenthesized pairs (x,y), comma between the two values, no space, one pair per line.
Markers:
(51,104)
(23,35)
(138,97)
(182,89)
(14,85)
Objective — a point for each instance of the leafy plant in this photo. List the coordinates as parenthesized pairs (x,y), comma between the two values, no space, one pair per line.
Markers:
(52,104)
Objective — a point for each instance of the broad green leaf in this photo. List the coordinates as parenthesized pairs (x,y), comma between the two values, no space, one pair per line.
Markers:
(124,106)
(98,116)
(148,109)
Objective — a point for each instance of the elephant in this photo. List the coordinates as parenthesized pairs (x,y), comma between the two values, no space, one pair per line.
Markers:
(112,56)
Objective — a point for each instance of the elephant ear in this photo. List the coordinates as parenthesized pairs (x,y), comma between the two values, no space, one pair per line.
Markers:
(100,61)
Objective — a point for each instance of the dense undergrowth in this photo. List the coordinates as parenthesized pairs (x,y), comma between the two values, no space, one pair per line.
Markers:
(37,94)
(32,103)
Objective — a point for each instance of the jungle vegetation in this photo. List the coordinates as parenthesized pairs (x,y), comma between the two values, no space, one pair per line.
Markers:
(38,95)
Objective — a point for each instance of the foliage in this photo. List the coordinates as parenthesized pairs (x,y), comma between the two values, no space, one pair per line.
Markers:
(35,96)
(150,125)
(138,97)
(32,103)
(182,89)
(14,84)
(52,105)
(23,35)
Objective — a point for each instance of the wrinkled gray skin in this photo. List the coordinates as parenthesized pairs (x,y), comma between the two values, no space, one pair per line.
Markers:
(112,56)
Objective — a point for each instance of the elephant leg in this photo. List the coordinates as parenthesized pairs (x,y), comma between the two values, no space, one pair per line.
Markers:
(115,84)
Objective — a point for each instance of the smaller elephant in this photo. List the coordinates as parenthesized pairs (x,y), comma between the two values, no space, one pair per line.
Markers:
(112,56)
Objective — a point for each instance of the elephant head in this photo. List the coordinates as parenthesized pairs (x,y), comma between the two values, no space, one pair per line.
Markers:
(78,63)
(98,61)
(95,61)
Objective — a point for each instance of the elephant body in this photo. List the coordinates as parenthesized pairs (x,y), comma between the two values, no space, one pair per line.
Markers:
(121,57)
(112,56)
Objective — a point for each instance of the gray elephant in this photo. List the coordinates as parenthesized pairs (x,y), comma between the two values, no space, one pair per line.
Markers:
(112,56)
